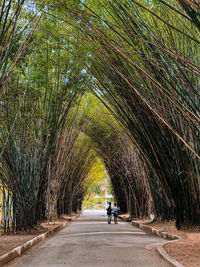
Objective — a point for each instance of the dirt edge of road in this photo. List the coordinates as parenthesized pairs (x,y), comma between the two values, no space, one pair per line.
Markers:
(160,248)
(15,245)
(185,252)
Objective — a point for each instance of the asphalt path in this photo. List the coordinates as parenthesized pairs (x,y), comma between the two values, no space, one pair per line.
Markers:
(91,242)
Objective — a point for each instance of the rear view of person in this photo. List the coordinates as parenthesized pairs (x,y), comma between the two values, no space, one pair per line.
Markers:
(109,213)
(115,213)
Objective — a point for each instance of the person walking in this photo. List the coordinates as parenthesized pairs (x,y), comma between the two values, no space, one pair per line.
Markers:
(109,213)
(115,211)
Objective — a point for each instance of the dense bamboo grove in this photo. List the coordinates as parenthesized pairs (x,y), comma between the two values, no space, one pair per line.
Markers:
(40,128)
(148,73)
(142,62)
(121,159)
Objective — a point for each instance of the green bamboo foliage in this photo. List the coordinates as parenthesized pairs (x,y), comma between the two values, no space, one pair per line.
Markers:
(148,73)
(192,9)
(45,132)
(78,165)
(6,208)
(33,166)
(15,36)
(66,164)
(123,164)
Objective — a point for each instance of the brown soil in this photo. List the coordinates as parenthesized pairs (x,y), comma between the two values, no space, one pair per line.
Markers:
(185,251)
(11,241)
(8,242)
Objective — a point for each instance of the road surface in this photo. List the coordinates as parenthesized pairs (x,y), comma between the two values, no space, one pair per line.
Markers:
(91,242)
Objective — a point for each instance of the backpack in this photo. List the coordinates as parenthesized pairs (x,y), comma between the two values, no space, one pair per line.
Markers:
(109,211)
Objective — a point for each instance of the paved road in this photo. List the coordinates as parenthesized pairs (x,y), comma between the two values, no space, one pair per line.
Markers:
(91,242)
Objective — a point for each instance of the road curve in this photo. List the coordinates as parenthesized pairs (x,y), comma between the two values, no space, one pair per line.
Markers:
(91,242)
